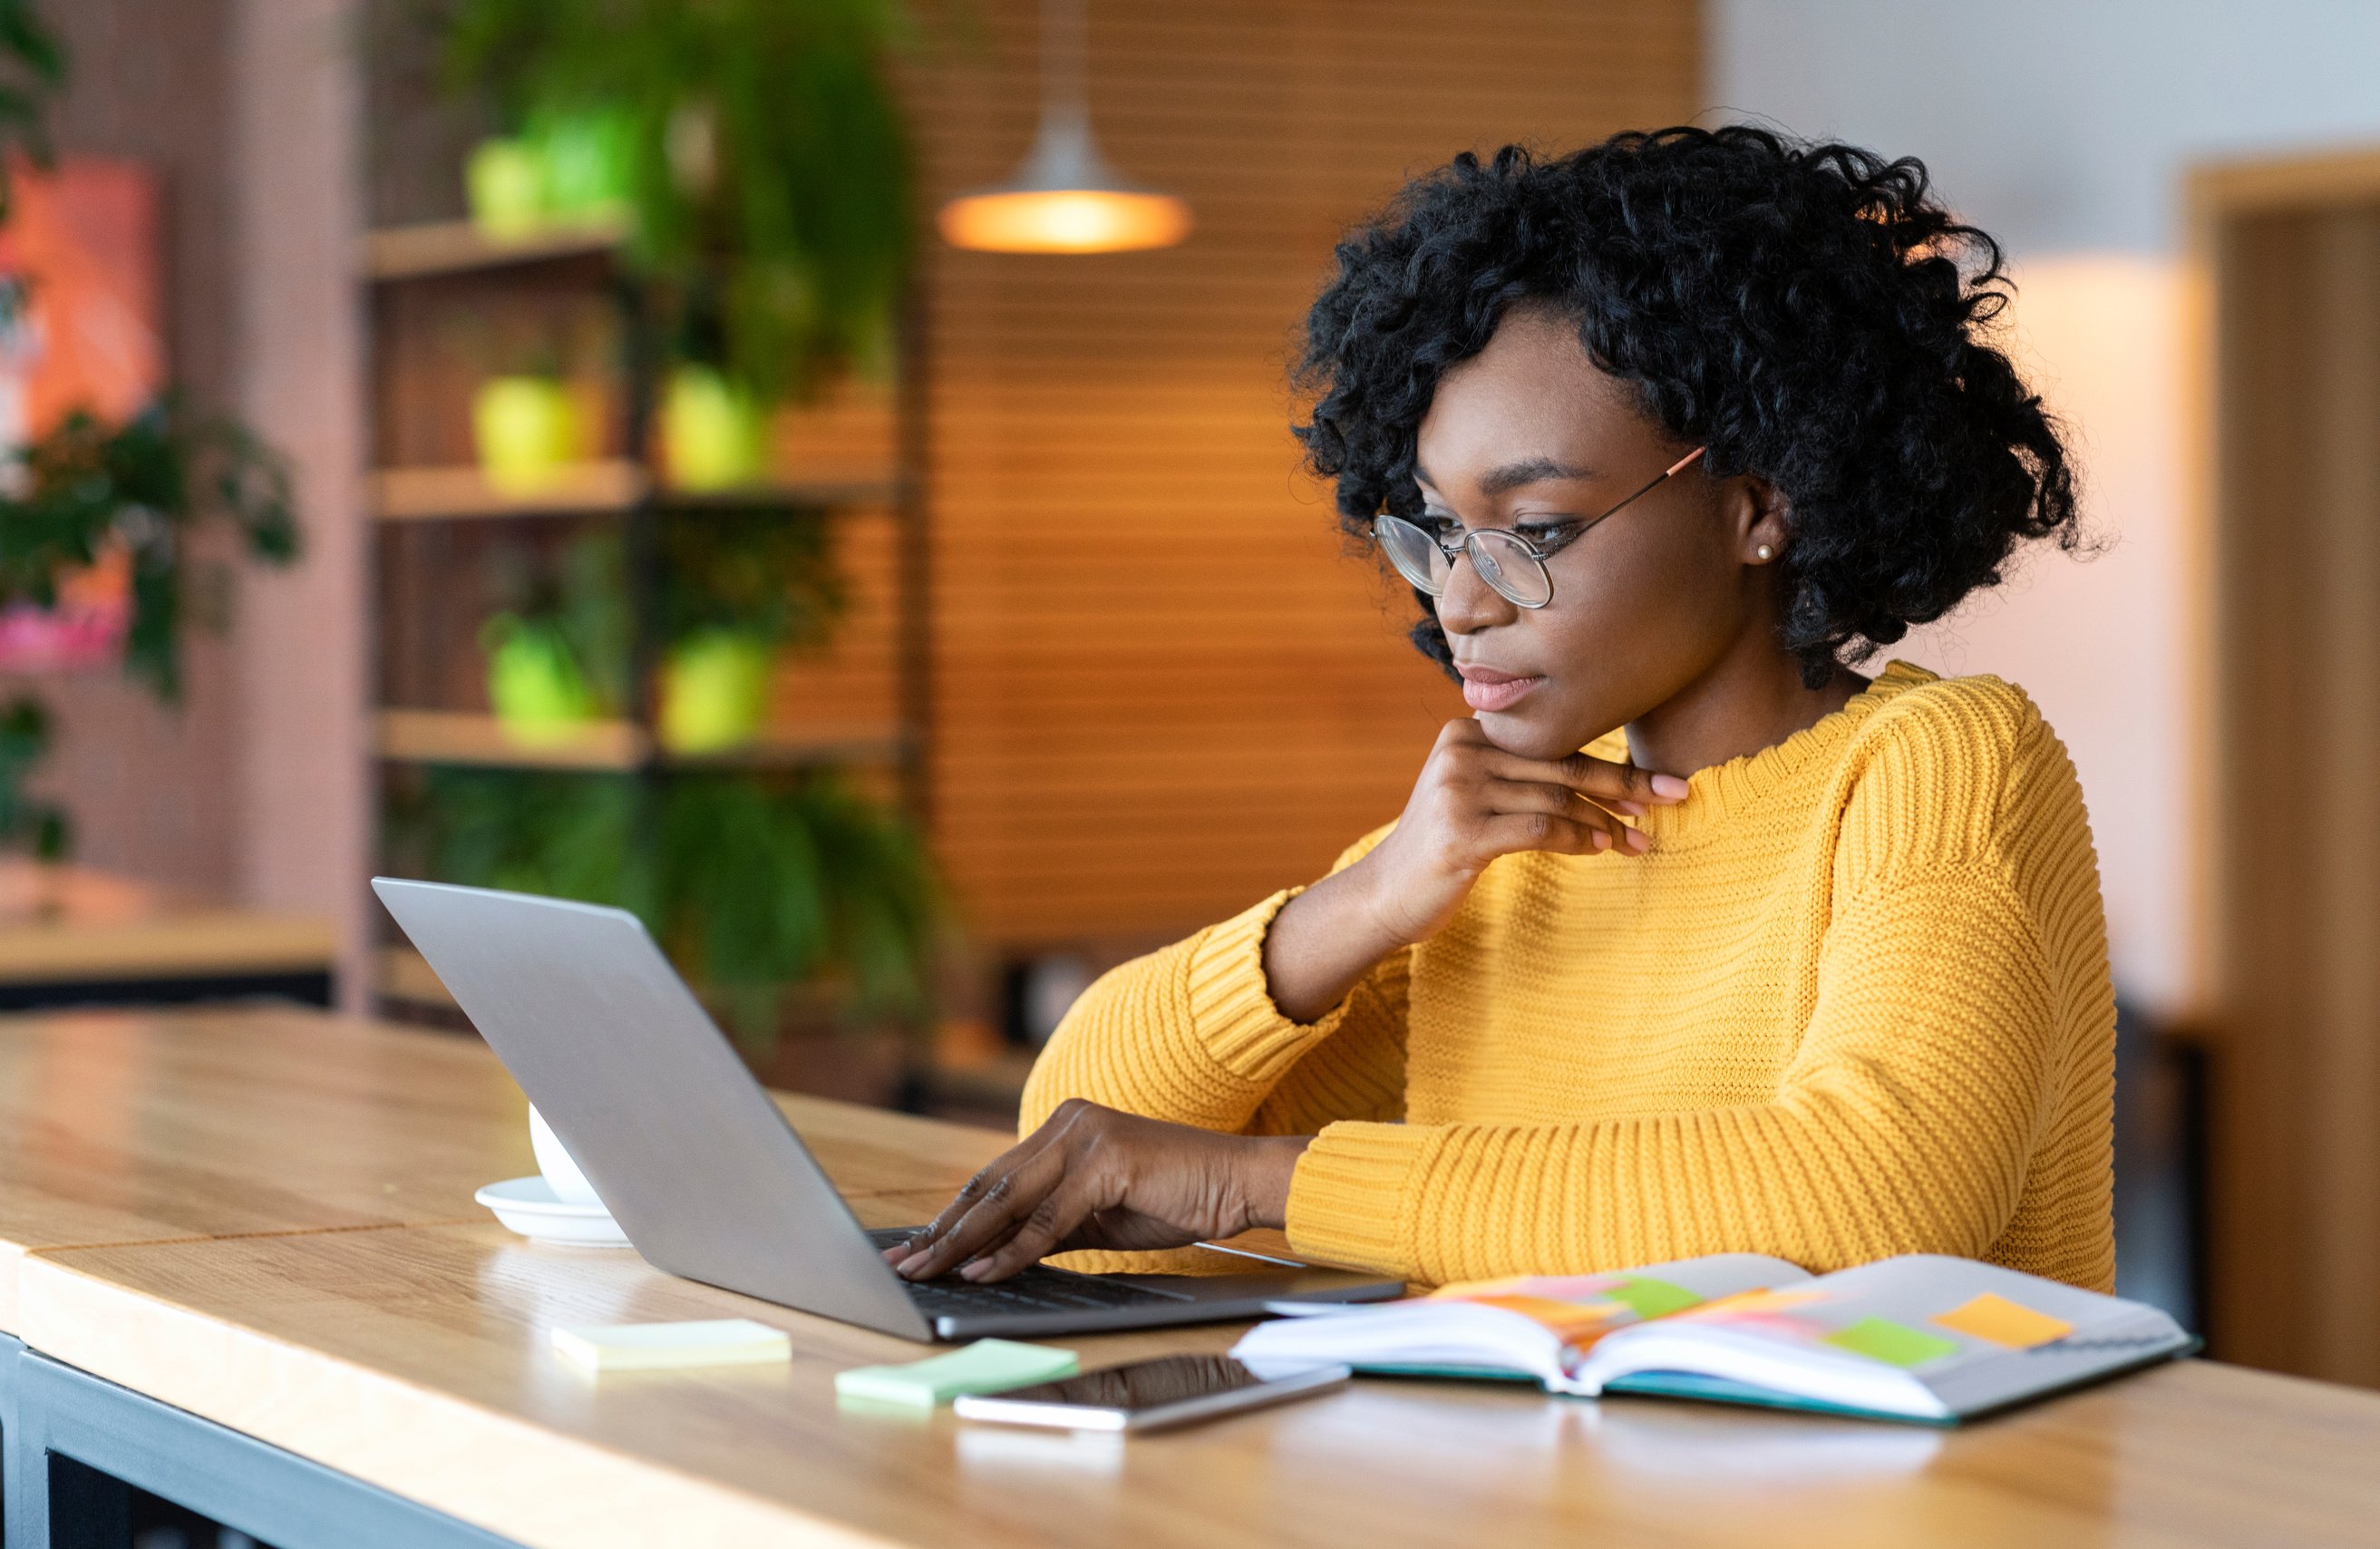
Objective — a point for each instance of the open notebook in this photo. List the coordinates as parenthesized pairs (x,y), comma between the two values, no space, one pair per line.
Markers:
(1919,1337)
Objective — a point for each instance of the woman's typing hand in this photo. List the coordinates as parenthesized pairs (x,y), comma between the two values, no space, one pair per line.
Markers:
(1094,1177)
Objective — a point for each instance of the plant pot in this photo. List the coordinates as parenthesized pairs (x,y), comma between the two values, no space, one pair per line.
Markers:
(527,430)
(539,695)
(505,182)
(715,691)
(590,166)
(713,435)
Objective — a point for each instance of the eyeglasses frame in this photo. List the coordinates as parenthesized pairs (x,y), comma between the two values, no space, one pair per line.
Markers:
(1463,547)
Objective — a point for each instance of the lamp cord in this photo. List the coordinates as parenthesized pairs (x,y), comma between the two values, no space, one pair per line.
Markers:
(1065,44)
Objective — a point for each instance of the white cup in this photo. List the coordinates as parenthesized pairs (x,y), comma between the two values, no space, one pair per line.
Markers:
(554,1159)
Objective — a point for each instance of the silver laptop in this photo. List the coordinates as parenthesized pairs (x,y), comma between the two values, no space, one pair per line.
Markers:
(699,1167)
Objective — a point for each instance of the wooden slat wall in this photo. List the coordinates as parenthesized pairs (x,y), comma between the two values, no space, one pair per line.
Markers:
(1162,687)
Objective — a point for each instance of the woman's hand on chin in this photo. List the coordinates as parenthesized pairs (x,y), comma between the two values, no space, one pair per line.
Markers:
(1094,1177)
(1474,802)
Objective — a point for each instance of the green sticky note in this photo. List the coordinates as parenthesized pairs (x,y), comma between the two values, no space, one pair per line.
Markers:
(986,1366)
(1892,1343)
(1652,1299)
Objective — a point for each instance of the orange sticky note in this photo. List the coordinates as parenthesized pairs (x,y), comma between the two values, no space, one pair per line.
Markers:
(2002,1321)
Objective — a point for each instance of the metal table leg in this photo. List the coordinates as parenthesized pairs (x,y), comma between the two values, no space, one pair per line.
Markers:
(75,1446)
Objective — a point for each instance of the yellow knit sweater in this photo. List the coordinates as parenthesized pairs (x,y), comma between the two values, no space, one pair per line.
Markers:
(1855,1003)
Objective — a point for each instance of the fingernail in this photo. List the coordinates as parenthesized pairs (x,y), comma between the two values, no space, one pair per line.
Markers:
(1627,809)
(1601,841)
(1670,786)
(912,1261)
(1639,841)
(975,1269)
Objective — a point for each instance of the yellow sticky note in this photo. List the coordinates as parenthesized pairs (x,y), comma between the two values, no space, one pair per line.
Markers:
(714,1342)
(2002,1321)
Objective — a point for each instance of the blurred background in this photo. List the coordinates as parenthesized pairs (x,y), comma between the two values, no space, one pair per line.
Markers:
(816,472)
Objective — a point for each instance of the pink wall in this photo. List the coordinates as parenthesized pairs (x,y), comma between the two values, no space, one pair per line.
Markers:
(152,789)
(301,797)
(254,789)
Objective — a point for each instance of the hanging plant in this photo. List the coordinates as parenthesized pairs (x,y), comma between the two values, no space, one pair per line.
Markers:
(764,159)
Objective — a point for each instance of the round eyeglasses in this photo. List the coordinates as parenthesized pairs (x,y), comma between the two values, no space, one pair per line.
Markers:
(1505,560)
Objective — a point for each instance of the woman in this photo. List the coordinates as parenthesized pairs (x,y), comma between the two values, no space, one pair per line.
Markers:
(1795,962)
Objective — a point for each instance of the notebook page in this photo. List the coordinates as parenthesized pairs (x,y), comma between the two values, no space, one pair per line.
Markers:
(1533,1325)
(1917,1335)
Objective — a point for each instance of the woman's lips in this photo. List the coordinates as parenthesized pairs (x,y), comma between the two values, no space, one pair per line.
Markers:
(1485,689)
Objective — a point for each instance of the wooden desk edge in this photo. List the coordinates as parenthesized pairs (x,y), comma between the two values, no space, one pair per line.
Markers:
(436,1456)
(212,941)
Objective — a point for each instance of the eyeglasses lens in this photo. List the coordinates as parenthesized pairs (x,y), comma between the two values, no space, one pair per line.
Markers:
(1506,565)
(1410,549)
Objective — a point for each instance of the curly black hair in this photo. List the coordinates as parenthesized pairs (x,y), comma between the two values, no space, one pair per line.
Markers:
(1808,310)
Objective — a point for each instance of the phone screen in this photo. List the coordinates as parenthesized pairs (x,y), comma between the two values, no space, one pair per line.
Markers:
(1145,1385)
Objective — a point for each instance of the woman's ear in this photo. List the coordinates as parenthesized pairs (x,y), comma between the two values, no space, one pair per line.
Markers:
(1761,522)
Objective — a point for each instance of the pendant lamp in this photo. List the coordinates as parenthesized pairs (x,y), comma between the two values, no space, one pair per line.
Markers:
(1064,198)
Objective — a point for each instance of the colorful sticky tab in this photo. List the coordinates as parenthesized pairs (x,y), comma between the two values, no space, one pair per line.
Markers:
(1892,1343)
(1569,1320)
(1651,1299)
(986,1366)
(1756,1304)
(1998,1321)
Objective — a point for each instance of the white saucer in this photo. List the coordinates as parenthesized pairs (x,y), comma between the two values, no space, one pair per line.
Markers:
(529,1206)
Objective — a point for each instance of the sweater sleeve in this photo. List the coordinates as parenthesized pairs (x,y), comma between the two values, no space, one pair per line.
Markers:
(1904,1122)
(1190,1034)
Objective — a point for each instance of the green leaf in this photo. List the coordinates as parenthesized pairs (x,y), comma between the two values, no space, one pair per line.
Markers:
(144,485)
(782,254)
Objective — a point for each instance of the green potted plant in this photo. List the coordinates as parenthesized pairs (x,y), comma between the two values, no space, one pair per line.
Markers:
(761,153)
(144,485)
(528,423)
(754,151)
(557,647)
(527,430)
(740,589)
(566,170)
(713,432)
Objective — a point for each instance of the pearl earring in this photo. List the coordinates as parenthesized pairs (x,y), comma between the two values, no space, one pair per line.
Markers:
(1764,551)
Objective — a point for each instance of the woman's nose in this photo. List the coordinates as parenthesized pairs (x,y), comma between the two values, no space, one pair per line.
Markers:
(1469,604)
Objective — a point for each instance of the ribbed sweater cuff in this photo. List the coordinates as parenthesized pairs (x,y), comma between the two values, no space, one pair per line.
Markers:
(1231,1009)
(1350,1200)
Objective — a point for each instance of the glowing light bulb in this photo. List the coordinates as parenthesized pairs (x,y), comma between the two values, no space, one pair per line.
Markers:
(1064,198)
(1064,220)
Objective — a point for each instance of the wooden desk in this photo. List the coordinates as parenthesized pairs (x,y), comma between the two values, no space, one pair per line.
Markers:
(144,1126)
(413,1356)
(69,936)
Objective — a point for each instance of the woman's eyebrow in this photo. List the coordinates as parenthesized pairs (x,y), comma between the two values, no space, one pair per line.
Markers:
(1530,470)
(1512,475)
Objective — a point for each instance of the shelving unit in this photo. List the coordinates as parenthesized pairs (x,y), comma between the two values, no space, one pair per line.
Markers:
(432,510)
(621,746)
(610,485)
(435,248)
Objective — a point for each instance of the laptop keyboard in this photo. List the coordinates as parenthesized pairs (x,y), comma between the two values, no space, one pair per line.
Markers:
(1038,1289)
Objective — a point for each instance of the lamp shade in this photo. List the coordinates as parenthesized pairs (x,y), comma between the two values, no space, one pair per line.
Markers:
(1065,199)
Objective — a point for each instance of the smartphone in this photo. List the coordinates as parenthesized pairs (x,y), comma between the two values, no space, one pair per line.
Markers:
(1151,1395)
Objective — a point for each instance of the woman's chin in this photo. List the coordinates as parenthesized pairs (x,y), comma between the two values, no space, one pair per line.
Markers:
(1526,736)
